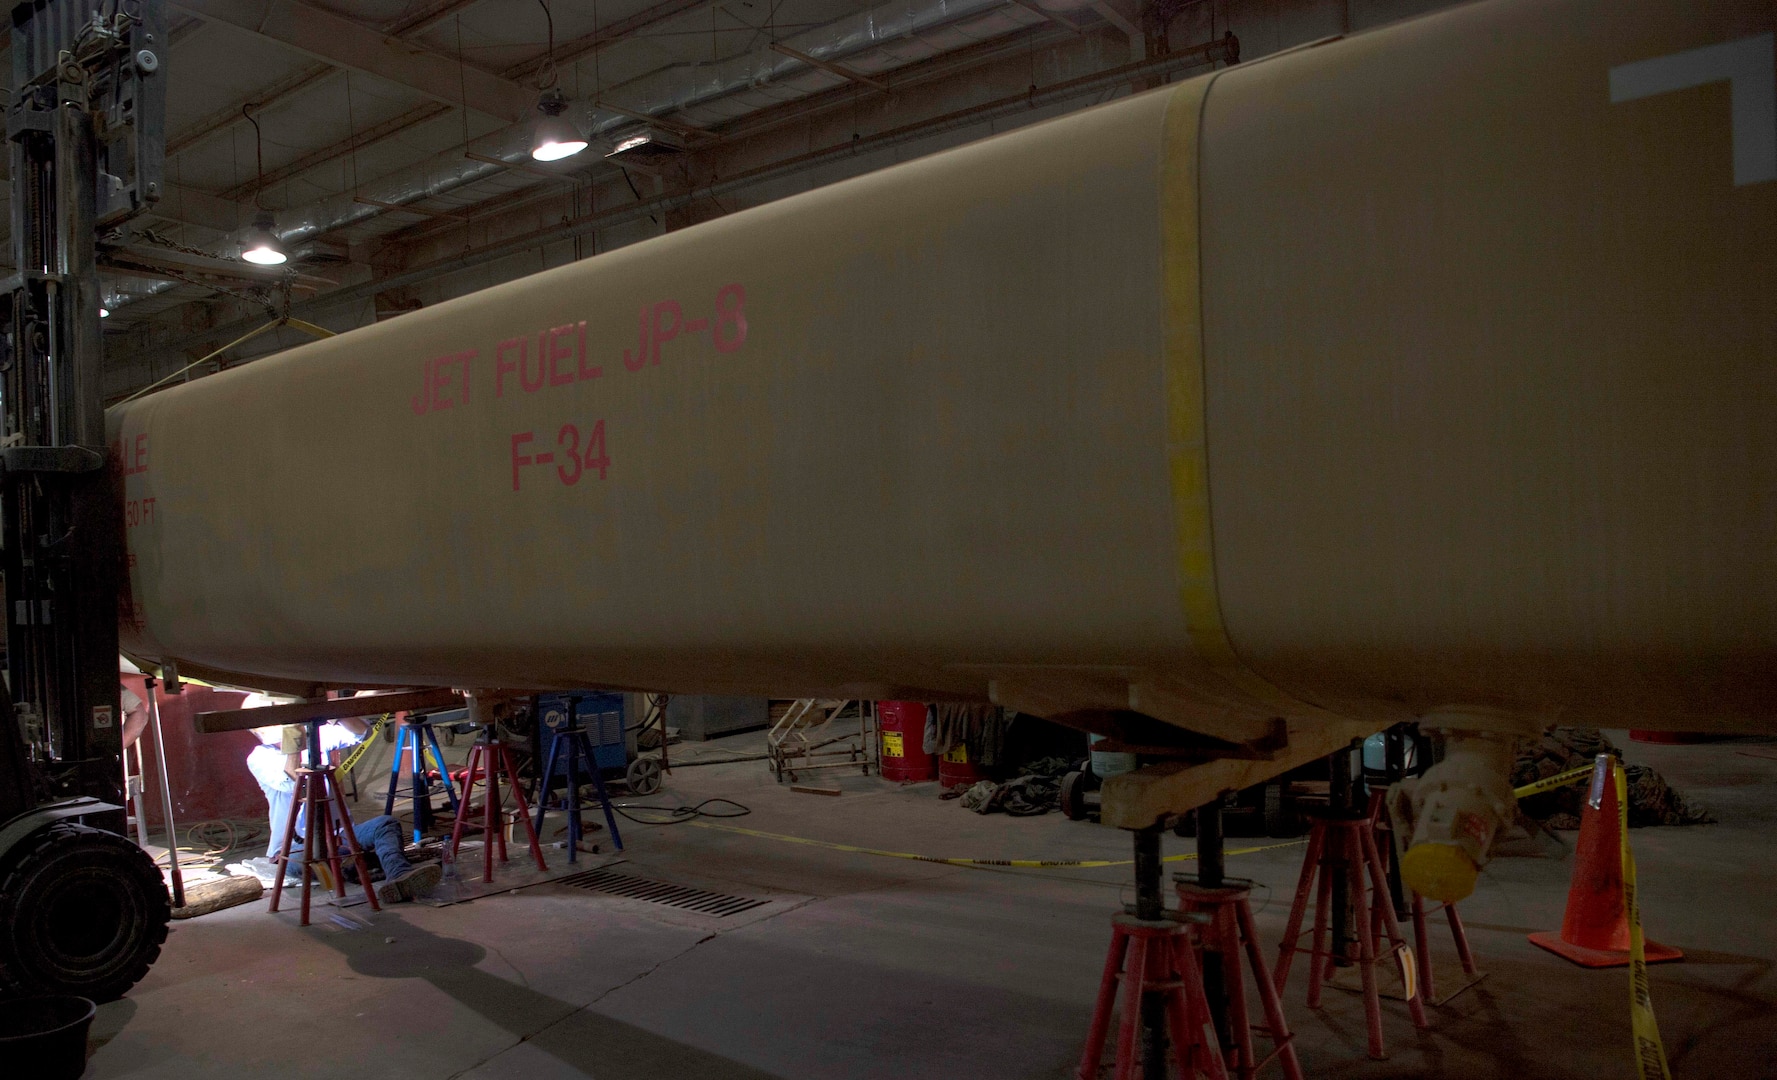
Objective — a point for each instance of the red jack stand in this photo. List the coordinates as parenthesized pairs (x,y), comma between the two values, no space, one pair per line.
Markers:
(1348,844)
(317,800)
(488,761)
(1231,934)
(1157,957)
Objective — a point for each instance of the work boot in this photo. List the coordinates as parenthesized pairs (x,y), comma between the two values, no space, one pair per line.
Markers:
(407,885)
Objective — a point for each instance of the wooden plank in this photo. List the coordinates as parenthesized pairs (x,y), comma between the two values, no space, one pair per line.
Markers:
(816,790)
(210,723)
(1147,797)
(1193,712)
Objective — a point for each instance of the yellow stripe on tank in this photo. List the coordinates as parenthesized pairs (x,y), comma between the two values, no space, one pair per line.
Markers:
(1187,446)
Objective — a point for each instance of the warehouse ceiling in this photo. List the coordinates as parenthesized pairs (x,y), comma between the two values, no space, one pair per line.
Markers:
(361,124)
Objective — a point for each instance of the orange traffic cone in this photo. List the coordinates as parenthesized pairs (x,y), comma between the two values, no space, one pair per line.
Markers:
(1595,929)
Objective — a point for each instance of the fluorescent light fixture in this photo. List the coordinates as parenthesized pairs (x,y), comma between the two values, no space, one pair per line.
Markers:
(261,245)
(555,136)
(631,143)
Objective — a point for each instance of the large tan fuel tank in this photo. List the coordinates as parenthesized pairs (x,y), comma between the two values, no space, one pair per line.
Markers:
(1434,367)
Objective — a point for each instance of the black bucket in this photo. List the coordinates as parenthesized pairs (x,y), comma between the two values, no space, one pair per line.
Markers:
(45,1037)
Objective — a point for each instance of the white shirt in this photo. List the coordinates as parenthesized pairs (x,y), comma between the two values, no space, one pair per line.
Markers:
(267,765)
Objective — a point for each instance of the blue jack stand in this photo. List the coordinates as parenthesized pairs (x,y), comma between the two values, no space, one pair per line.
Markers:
(415,736)
(579,755)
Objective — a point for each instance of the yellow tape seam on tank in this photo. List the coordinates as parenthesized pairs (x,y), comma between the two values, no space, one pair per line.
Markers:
(1022,864)
(1549,783)
(1187,447)
(1650,1052)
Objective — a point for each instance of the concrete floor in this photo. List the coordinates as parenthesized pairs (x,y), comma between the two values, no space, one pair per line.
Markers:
(878,967)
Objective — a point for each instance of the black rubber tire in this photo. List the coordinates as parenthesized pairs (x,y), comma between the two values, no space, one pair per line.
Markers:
(82,911)
(1073,796)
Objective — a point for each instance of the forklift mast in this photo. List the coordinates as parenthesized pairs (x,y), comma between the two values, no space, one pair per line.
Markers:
(84,126)
(83,910)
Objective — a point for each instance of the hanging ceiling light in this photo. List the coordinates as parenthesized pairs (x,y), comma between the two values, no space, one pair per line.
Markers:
(555,136)
(260,244)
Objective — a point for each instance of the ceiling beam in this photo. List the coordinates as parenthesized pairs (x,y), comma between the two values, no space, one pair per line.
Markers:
(296,82)
(581,47)
(1054,17)
(427,17)
(332,152)
(828,66)
(418,21)
(343,43)
(229,115)
(189,206)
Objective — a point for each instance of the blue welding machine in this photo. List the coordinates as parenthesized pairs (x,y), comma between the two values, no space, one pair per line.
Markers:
(600,716)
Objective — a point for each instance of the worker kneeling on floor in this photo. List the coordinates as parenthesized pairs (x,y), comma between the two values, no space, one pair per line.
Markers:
(274,764)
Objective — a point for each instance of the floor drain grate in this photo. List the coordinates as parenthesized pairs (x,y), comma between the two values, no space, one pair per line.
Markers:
(701,901)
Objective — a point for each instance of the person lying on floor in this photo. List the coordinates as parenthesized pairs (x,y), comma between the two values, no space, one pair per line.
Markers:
(274,764)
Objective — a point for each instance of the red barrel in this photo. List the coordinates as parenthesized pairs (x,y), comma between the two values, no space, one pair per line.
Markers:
(956,770)
(902,725)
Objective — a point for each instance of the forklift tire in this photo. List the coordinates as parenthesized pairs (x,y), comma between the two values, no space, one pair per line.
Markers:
(82,911)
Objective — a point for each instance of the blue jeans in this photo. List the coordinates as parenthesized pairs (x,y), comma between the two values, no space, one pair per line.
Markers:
(383,835)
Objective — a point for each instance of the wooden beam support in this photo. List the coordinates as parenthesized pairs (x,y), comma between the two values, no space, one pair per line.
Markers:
(1194,713)
(1148,796)
(211,723)
(1057,692)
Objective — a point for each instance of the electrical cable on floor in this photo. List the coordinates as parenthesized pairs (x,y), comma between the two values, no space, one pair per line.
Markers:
(209,843)
(678,814)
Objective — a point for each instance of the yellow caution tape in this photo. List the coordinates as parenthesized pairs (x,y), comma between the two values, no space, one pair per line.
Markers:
(1549,783)
(1650,1053)
(358,751)
(1024,864)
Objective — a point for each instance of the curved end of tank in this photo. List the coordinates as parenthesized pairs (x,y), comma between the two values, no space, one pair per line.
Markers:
(1439,871)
